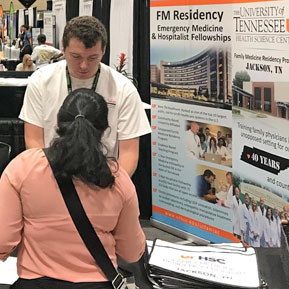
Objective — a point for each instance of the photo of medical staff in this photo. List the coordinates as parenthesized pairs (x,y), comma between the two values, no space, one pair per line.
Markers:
(253,221)
(214,185)
(211,143)
(261,224)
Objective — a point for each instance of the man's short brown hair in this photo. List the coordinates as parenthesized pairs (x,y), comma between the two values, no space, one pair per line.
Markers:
(87,29)
(41,38)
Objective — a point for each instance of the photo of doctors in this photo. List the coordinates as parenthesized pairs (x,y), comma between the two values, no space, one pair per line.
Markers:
(260,225)
(211,143)
(214,185)
(253,221)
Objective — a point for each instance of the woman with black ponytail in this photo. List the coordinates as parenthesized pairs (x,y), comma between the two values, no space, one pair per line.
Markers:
(33,213)
(78,152)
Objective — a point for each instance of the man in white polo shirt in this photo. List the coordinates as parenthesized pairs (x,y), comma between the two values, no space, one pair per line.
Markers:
(84,42)
(42,54)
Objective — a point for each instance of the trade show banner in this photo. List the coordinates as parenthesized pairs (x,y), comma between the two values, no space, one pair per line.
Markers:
(260,69)
(11,20)
(218,95)
(2,22)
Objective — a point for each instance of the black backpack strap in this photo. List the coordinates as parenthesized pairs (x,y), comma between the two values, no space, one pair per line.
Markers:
(86,230)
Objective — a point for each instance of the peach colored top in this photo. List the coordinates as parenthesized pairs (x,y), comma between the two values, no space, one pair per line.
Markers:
(33,213)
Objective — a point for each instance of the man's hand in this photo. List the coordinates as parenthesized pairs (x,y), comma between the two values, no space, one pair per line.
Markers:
(210,197)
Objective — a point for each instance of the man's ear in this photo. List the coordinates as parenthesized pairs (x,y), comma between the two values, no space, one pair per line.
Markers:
(62,47)
(103,50)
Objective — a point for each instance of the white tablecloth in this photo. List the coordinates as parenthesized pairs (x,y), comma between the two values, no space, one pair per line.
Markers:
(13,81)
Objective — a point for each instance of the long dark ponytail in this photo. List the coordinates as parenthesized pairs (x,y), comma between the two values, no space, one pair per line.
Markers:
(78,151)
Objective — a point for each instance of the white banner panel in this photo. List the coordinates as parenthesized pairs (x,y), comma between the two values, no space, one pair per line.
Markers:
(219,108)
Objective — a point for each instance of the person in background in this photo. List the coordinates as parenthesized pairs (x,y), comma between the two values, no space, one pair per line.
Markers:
(255,226)
(284,218)
(204,186)
(262,212)
(84,43)
(269,231)
(285,223)
(194,149)
(229,143)
(42,54)
(33,213)
(25,41)
(26,64)
(286,209)
(207,136)
(212,148)
(246,219)
(203,142)
(277,221)
(222,150)
(262,208)
(219,134)
(237,211)
(222,194)
(229,200)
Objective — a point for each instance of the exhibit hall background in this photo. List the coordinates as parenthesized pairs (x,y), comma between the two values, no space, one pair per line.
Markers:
(40,4)
(128,31)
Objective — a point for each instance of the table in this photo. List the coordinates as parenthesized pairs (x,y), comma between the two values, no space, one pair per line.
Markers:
(273,265)
(10,64)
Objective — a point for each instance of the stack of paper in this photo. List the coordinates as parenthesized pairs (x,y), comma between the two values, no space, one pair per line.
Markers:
(214,266)
(8,271)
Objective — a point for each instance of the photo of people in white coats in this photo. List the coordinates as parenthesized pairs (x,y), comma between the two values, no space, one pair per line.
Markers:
(260,225)
(211,143)
(253,220)
(237,212)
(245,219)
(257,221)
